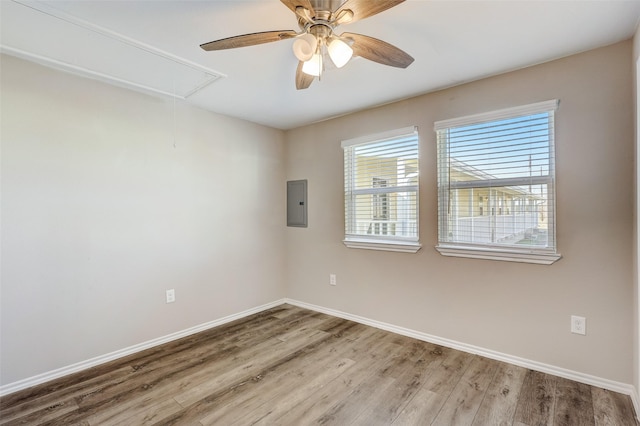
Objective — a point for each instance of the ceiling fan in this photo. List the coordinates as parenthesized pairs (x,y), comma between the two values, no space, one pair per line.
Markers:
(318,20)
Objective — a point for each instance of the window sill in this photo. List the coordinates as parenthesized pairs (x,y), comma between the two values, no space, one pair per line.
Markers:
(523,256)
(384,245)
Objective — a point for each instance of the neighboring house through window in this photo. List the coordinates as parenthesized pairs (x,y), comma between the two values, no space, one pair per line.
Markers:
(380,208)
(496,185)
(381,191)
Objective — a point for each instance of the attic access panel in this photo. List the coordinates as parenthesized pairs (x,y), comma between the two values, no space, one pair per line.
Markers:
(297,203)
(106,55)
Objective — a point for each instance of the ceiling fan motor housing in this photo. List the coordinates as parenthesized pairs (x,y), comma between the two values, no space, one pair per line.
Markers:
(318,20)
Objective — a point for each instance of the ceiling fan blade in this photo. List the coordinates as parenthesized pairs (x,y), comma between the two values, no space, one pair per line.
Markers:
(303,80)
(378,51)
(248,40)
(364,8)
(293,4)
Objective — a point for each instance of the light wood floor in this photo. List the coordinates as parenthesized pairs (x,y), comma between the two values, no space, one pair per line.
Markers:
(291,366)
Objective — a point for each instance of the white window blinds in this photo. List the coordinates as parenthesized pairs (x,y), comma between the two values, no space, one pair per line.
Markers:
(381,186)
(496,174)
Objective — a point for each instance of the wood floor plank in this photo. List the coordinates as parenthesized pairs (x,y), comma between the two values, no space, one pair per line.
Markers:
(288,400)
(499,404)
(269,390)
(574,404)
(286,310)
(415,356)
(43,414)
(26,406)
(246,367)
(116,399)
(292,366)
(144,412)
(249,351)
(371,392)
(223,407)
(284,373)
(536,403)
(410,368)
(99,380)
(465,399)
(363,398)
(183,382)
(371,357)
(110,401)
(280,380)
(418,412)
(153,374)
(611,408)
(423,408)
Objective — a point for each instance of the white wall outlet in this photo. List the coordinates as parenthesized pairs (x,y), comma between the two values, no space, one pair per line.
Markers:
(332,279)
(171,296)
(578,325)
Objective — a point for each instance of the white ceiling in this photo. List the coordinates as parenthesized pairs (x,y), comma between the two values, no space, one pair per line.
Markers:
(153,46)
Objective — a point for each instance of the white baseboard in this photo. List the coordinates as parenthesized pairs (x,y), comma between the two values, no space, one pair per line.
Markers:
(522,362)
(83,365)
(611,385)
(636,403)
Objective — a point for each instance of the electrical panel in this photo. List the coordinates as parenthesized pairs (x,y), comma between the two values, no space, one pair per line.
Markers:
(297,203)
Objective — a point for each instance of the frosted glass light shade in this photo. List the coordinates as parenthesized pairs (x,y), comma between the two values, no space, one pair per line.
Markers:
(305,46)
(313,66)
(339,52)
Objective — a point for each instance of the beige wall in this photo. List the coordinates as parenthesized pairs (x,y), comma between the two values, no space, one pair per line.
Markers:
(518,309)
(101,213)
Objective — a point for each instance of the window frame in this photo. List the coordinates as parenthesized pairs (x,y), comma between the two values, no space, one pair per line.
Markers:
(529,254)
(378,242)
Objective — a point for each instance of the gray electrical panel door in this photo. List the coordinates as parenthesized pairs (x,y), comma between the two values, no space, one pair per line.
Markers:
(297,203)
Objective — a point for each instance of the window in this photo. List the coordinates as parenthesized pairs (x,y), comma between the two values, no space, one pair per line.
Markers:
(381,191)
(496,176)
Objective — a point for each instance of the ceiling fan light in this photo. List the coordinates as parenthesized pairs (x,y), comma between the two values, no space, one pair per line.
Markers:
(339,52)
(313,66)
(305,46)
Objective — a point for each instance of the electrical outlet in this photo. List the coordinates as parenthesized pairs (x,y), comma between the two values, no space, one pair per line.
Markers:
(171,296)
(578,325)
(332,279)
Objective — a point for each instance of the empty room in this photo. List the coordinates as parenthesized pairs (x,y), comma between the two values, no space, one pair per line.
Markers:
(345,212)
